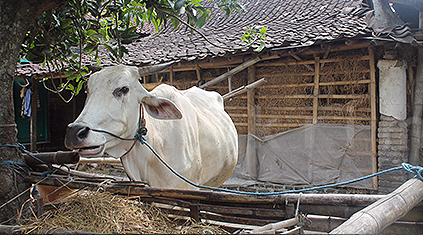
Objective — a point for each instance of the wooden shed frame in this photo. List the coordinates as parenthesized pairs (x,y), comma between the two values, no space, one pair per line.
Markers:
(250,63)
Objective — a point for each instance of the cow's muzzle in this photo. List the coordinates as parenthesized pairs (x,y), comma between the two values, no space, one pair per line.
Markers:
(76,139)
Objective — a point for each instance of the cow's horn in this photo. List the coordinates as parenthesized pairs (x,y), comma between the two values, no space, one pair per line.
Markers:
(146,70)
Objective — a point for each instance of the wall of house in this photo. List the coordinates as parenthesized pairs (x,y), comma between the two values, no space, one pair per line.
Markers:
(393,150)
(60,115)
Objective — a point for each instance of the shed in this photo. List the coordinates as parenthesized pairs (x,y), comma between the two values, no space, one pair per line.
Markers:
(329,111)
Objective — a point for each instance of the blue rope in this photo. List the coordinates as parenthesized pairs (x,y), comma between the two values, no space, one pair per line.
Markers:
(417,170)
(23,150)
(412,169)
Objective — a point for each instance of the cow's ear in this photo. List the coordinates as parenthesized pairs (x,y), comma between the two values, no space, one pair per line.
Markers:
(161,108)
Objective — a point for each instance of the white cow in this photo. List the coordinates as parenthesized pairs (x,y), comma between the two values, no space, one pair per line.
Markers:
(189,129)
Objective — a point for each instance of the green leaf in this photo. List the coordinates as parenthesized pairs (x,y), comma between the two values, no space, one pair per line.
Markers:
(261,47)
(202,20)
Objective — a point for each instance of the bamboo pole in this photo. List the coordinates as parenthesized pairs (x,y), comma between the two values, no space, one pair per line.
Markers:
(416,124)
(244,89)
(100,160)
(134,189)
(373,114)
(316,89)
(251,104)
(59,157)
(33,118)
(384,212)
(231,72)
(271,228)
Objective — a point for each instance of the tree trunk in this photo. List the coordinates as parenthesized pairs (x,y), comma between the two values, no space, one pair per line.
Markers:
(15,18)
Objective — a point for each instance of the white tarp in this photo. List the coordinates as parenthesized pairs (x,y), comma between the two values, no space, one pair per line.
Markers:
(309,156)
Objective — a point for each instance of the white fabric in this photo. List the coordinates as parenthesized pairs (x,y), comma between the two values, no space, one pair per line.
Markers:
(307,156)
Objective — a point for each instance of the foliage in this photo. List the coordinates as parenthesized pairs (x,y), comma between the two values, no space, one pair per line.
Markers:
(69,38)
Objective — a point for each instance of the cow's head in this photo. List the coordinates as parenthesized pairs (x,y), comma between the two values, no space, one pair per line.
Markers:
(113,103)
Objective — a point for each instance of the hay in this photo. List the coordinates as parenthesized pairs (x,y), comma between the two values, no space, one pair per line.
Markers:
(102,212)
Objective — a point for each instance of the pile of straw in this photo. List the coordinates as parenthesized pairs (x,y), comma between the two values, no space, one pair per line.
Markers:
(102,212)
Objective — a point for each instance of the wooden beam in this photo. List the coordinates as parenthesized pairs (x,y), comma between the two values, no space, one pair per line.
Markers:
(231,72)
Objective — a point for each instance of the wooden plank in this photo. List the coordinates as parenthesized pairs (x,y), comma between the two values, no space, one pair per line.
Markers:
(373,104)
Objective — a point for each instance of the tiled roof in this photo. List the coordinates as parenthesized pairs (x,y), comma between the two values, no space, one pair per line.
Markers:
(289,22)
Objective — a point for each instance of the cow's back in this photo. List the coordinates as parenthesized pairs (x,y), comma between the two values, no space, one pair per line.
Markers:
(217,136)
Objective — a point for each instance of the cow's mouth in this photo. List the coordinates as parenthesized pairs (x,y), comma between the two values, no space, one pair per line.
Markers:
(91,150)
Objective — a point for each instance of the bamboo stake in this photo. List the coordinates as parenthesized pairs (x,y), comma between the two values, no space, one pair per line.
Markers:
(244,89)
(231,72)
(384,212)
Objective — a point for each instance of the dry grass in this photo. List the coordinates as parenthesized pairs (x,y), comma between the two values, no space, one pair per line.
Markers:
(102,212)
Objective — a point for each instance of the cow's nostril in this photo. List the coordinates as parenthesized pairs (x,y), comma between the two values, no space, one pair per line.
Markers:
(83,133)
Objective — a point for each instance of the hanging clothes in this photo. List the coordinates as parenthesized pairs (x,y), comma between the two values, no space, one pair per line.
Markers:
(26,103)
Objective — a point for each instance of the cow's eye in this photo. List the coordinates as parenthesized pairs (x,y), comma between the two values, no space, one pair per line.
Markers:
(118,92)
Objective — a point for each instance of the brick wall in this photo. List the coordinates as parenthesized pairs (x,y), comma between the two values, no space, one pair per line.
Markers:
(392,151)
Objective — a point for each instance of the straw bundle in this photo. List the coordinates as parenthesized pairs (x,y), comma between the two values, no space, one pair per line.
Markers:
(102,212)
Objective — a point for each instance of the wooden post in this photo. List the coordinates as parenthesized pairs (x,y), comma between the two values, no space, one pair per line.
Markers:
(198,72)
(373,124)
(251,101)
(171,76)
(33,118)
(316,89)
(384,212)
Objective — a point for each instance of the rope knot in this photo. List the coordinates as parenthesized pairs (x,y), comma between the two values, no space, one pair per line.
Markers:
(417,170)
